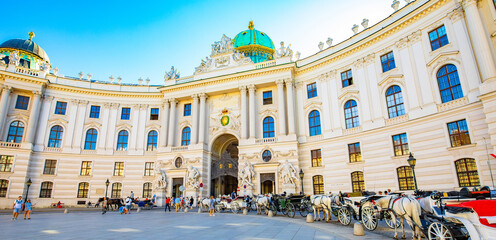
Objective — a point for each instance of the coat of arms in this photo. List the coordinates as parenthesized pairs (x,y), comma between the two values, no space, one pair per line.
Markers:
(224,120)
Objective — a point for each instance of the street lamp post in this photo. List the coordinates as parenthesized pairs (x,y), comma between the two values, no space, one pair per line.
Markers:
(28,183)
(301,177)
(412,162)
(106,189)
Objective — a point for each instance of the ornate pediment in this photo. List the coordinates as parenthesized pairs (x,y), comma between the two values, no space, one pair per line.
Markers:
(60,121)
(152,126)
(442,59)
(311,103)
(391,79)
(123,125)
(92,125)
(348,92)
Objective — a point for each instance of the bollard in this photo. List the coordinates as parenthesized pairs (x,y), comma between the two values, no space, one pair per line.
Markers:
(309,218)
(66,211)
(199,210)
(186,210)
(358,229)
(245,211)
(271,214)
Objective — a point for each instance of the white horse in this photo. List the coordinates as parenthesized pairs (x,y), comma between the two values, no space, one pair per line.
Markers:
(321,201)
(407,208)
(428,203)
(262,201)
(205,203)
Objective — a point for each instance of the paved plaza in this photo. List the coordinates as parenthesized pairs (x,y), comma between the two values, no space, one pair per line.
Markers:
(157,224)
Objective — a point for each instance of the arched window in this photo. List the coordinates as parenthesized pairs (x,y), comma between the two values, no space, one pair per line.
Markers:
(357,182)
(405,178)
(16,130)
(152,141)
(116,190)
(186,136)
(268,127)
(4,185)
(351,114)
(314,123)
(122,139)
(449,83)
(46,190)
(466,170)
(90,142)
(83,190)
(318,184)
(394,100)
(147,190)
(55,139)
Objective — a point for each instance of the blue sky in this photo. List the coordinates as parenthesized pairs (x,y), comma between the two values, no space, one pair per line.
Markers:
(134,39)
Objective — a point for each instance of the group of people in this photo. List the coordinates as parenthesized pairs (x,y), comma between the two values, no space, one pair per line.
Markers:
(18,206)
(180,203)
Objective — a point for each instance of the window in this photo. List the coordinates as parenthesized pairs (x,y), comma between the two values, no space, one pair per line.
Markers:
(267,98)
(387,61)
(60,108)
(438,38)
(50,166)
(86,168)
(354,152)
(24,63)
(178,163)
(187,109)
(154,114)
(351,114)
(357,182)
(312,90)
(95,112)
(22,102)
(55,139)
(400,145)
(116,190)
(394,101)
(268,127)
(152,140)
(266,156)
(186,136)
(466,170)
(83,190)
(449,83)
(118,168)
(316,158)
(458,132)
(122,140)
(149,169)
(347,78)
(90,142)
(125,113)
(405,178)
(16,130)
(46,190)
(4,185)
(147,190)
(314,123)
(6,163)
(318,184)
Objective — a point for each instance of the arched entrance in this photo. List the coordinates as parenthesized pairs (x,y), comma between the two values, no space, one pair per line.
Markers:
(224,167)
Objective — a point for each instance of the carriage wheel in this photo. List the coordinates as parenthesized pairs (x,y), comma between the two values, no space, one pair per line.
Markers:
(235,208)
(253,206)
(285,210)
(438,230)
(291,210)
(390,219)
(344,216)
(369,219)
(305,208)
(273,208)
(218,208)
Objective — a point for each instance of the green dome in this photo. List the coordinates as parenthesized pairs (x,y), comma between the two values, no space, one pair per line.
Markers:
(254,44)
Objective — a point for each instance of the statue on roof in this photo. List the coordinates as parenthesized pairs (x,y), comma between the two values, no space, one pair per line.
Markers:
(14,58)
(222,46)
(172,74)
(284,51)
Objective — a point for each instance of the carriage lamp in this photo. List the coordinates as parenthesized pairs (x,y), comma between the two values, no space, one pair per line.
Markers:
(301,177)
(412,161)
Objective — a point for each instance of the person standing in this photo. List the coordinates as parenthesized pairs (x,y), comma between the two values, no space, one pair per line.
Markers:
(27,209)
(17,208)
(128,205)
(191,203)
(132,195)
(104,205)
(167,204)
(178,202)
(212,206)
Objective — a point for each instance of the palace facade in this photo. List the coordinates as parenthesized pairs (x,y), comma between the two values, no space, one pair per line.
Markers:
(255,118)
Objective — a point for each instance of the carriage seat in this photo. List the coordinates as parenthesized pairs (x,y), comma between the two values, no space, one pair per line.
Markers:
(486,209)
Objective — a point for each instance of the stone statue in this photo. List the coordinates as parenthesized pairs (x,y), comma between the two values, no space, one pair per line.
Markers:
(14,58)
(193,178)
(1,58)
(284,51)
(224,45)
(246,174)
(288,173)
(160,177)
(172,74)
(45,66)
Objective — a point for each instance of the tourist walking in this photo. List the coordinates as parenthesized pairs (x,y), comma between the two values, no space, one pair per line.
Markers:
(178,202)
(191,203)
(167,204)
(132,195)
(27,209)
(212,206)
(128,205)
(104,205)
(17,208)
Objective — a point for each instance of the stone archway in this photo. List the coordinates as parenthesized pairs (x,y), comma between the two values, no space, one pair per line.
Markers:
(224,165)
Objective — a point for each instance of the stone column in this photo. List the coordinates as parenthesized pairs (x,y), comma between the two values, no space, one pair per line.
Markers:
(194,115)
(109,145)
(481,45)
(172,122)
(69,132)
(203,117)
(78,130)
(43,123)
(4,105)
(165,123)
(33,117)
(300,99)
(325,118)
(141,127)
(102,136)
(251,90)
(133,136)
(244,113)
(291,107)
(281,107)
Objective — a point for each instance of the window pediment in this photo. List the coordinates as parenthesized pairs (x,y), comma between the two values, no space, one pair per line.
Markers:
(312,103)
(393,78)
(442,59)
(123,126)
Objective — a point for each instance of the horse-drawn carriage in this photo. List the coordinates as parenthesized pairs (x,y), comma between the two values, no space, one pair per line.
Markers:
(228,204)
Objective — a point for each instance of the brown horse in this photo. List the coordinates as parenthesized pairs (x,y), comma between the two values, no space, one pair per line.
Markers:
(113,203)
